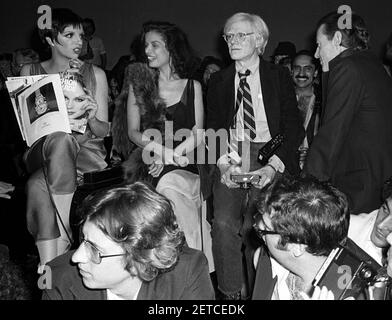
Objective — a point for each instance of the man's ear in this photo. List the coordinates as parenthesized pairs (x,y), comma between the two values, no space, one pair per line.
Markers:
(297,249)
(337,39)
(315,73)
(49,41)
(259,40)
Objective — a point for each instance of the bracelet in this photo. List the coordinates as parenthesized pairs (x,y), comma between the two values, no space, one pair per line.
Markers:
(270,165)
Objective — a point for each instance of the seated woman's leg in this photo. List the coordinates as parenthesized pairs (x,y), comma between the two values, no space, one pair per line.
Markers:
(40,219)
(182,188)
(56,154)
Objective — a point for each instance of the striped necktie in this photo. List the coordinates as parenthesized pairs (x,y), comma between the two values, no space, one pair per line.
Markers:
(244,96)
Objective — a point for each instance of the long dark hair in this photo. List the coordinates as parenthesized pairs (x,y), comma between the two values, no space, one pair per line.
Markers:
(177,44)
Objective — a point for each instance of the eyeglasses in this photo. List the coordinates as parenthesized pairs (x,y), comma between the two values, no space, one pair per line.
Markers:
(239,37)
(262,232)
(94,254)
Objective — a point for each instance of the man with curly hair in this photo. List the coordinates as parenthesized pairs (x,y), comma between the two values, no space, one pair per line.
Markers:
(131,249)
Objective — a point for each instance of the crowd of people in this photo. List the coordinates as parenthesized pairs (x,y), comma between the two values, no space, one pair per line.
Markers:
(201,212)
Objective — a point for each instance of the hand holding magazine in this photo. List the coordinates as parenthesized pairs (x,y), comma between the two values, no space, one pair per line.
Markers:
(44,104)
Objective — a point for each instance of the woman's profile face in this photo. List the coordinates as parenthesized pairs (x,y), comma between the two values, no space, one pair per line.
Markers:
(69,42)
(75,99)
(110,273)
(155,48)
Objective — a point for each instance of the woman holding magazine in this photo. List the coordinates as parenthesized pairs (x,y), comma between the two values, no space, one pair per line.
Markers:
(56,160)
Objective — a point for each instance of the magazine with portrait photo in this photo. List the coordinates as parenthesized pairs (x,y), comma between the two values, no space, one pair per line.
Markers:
(39,105)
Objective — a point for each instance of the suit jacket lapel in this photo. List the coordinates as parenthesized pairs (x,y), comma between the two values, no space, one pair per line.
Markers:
(264,283)
(267,88)
(80,292)
(229,96)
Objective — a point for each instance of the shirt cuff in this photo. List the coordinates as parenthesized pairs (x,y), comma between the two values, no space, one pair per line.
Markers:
(276,163)
(229,159)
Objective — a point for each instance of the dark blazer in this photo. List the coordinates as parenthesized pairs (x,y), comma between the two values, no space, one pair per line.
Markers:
(353,148)
(189,280)
(280,107)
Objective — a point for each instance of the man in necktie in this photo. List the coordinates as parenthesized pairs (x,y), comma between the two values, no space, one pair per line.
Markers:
(253,101)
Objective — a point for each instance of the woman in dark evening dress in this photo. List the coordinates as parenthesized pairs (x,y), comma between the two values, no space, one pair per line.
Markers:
(178,104)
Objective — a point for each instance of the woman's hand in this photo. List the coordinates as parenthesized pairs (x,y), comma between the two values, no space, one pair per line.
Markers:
(5,188)
(181,161)
(91,106)
(75,65)
(168,156)
(155,169)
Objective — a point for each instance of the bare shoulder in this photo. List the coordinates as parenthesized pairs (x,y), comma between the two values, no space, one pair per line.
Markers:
(99,73)
(25,71)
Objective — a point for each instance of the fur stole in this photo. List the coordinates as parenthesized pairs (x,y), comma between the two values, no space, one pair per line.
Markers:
(144,81)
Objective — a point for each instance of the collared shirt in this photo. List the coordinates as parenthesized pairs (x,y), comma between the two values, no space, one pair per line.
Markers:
(262,130)
(281,290)
(308,116)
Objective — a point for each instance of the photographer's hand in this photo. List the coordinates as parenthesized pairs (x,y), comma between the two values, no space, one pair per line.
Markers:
(267,175)
(319,294)
(389,255)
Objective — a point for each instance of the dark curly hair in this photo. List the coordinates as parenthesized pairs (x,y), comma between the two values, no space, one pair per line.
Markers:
(306,211)
(357,37)
(142,221)
(181,53)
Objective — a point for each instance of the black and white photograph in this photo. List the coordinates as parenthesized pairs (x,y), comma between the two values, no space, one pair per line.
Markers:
(41,102)
(215,154)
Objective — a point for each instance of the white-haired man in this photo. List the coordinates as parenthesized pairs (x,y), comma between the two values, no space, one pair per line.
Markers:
(254,100)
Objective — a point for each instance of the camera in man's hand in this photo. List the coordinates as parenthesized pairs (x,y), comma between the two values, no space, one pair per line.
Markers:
(245,180)
(348,271)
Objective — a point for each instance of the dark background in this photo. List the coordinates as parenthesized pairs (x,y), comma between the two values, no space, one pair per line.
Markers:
(118,21)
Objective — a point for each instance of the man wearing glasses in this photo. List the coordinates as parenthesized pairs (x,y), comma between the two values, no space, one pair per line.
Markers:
(131,249)
(252,100)
(300,222)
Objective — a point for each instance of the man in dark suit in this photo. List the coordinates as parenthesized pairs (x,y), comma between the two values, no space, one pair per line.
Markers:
(353,148)
(254,100)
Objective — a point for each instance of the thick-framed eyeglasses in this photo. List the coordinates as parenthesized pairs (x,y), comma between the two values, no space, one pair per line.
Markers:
(262,232)
(239,37)
(94,254)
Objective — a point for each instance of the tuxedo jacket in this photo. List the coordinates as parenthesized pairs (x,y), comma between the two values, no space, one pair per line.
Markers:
(353,148)
(280,105)
(189,280)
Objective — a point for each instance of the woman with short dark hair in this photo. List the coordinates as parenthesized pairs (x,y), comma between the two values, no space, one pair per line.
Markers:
(56,160)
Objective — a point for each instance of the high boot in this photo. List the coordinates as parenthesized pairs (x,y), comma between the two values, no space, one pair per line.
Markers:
(63,205)
(47,250)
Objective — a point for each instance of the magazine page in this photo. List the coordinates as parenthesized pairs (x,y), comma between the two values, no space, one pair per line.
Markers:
(42,108)
(74,95)
(16,85)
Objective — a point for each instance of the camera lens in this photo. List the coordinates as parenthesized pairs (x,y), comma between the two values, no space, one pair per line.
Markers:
(366,273)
